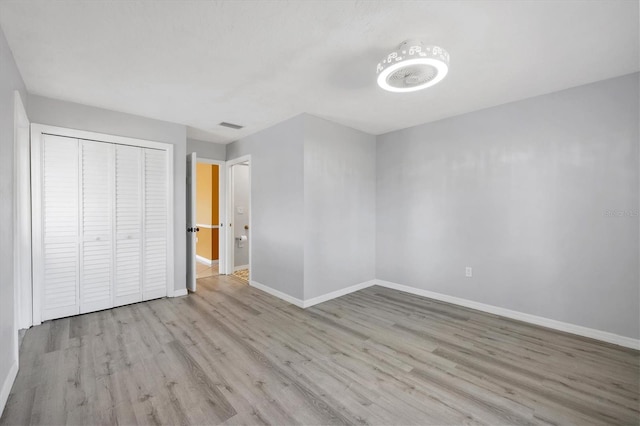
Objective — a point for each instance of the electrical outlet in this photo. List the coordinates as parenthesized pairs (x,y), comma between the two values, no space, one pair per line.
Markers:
(468,272)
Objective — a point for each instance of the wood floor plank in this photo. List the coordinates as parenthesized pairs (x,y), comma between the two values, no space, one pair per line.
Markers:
(221,408)
(231,354)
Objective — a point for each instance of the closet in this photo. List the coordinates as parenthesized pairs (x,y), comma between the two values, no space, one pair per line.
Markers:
(101,225)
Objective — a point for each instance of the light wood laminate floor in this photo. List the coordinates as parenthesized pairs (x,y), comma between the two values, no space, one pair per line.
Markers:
(231,354)
(205,271)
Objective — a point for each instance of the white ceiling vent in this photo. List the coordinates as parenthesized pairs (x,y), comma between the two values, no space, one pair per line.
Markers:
(231,125)
(412,67)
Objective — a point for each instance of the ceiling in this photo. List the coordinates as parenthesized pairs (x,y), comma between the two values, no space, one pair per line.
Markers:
(257,63)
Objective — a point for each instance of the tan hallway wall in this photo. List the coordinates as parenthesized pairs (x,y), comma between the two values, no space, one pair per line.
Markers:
(207,202)
(207,195)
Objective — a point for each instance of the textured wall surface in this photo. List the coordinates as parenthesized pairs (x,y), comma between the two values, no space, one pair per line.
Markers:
(277,204)
(208,150)
(313,197)
(339,207)
(539,197)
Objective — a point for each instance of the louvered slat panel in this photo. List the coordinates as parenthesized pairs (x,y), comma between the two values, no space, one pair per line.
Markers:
(155,224)
(128,272)
(128,211)
(96,276)
(60,227)
(96,260)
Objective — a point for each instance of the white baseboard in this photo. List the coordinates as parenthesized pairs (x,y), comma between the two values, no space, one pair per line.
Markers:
(206,261)
(280,295)
(605,336)
(181,292)
(319,299)
(237,268)
(313,301)
(579,330)
(7,384)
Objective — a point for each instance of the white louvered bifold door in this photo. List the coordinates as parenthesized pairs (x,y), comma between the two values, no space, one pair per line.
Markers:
(128,215)
(59,295)
(96,260)
(155,224)
(101,223)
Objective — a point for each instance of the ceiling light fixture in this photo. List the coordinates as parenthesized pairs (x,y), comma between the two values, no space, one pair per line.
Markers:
(412,67)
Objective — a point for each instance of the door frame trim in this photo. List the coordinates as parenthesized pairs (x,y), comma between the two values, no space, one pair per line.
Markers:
(230,236)
(191,189)
(37,134)
(22,284)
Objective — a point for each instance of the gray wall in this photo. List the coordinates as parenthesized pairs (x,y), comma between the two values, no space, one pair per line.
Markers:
(240,213)
(75,116)
(523,194)
(208,150)
(10,80)
(277,204)
(313,206)
(339,207)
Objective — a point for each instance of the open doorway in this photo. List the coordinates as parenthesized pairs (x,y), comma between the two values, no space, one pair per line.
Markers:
(207,218)
(240,215)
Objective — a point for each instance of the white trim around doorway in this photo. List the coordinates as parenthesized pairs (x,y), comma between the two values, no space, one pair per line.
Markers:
(230,237)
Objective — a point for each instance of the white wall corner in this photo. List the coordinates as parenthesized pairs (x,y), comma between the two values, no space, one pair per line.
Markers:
(579,330)
(338,293)
(280,295)
(7,384)
(181,292)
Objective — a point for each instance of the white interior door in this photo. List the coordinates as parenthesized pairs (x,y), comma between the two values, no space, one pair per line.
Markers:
(155,224)
(191,221)
(128,250)
(96,226)
(102,221)
(58,272)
